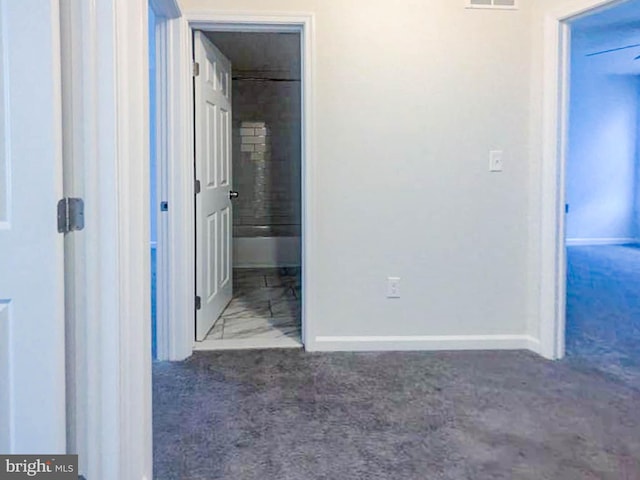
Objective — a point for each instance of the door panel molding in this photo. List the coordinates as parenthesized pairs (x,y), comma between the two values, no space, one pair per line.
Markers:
(32,354)
(212,161)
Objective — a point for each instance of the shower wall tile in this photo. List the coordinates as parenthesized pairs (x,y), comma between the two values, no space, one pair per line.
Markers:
(266,154)
(254,140)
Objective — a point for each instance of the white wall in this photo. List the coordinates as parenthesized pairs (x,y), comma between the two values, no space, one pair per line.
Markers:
(601,159)
(404,124)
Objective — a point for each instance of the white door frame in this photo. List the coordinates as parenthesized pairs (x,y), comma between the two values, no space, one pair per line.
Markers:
(109,125)
(169,144)
(176,240)
(557,51)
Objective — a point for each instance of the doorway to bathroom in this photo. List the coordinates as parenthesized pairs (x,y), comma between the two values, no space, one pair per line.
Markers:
(248,143)
(247,102)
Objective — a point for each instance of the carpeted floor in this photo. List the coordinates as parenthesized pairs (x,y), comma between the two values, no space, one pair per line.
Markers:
(290,415)
(603,310)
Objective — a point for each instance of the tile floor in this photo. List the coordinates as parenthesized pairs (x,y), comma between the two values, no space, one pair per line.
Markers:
(265,308)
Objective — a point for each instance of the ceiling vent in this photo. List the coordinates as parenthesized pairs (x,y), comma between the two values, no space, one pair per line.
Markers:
(493,4)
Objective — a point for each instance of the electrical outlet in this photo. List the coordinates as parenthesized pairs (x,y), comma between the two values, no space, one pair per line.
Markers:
(495,161)
(393,287)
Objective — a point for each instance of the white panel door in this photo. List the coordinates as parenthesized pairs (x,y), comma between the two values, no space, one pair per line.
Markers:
(213,171)
(32,376)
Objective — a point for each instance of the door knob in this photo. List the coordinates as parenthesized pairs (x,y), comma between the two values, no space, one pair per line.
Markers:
(233,194)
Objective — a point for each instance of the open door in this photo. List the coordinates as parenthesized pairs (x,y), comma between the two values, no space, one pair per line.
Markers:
(32,375)
(213,181)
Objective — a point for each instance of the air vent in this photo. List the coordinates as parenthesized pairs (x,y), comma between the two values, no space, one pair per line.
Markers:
(493,4)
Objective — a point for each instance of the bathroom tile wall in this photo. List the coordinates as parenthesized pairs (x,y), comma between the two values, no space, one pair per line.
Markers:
(267,155)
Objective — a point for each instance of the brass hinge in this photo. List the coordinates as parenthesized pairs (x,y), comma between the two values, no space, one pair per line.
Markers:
(196,69)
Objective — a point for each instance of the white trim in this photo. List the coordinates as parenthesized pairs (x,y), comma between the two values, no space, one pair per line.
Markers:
(131,363)
(576,8)
(162,139)
(249,21)
(166,8)
(175,272)
(115,373)
(426,343)
(552,196)
(246,344)
(166,11)
(602,241)
(176,328)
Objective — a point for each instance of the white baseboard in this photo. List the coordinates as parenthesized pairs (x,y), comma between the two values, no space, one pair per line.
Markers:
(246,344)
(428,343)
(601,241)
(266,252)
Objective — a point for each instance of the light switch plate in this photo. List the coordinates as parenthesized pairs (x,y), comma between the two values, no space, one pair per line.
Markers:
(393,287)
(495,161)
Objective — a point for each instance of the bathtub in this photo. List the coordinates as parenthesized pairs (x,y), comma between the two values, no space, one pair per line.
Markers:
(266,246)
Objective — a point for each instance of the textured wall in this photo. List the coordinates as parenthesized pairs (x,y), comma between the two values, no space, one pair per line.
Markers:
(266,156)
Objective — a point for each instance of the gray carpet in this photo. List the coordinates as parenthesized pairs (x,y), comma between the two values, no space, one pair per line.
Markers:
(288,415)
(461,415)
(603,310)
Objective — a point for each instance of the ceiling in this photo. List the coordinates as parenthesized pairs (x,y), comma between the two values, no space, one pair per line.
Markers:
(260,54)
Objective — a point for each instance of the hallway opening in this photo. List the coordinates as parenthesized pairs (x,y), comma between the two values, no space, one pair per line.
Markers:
(602,196)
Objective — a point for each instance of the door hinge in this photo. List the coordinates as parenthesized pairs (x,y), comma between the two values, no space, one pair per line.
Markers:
(196,69)
(198,303)
(164,206)
(70,215)
(197,187)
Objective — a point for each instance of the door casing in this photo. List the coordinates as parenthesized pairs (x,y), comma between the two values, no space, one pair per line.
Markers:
(556,74)
(176,239)
(107,130)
